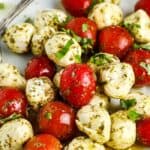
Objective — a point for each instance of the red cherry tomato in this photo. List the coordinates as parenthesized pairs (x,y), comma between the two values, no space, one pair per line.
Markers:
(76,8)
(83,27)
(115,40)
(12,100)
(77,84)
(43,142)
(143,4)
(143,131)
(58,119)
(40,66)
(140,59)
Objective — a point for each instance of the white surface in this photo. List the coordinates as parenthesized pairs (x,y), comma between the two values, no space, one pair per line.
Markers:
(21,60)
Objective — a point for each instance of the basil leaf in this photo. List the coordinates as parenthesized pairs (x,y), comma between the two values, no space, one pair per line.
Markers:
(2,6)
(11,117)
(133,115)
(100,59)
(60,54)
(126,104)
(143,46)
(146,66)
(85,27)
(78,58)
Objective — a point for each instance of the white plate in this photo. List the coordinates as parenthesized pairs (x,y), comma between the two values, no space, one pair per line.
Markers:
(21,60)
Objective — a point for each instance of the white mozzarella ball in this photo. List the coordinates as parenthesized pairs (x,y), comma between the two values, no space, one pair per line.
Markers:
(118,79)
(95,122)
(106,14)
(18,37)
(138,23)
(100,100)
(39,91)
(123,131)
(83,143)
(63,49)
(39,39)
(57,78)
(51,18)
(10,76)
(14,134)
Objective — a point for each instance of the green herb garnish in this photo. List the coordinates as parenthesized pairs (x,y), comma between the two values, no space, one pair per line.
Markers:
(11,117)
(100,59)
(2,6)
(143,46)
(60,54)
(28,20)
(146,66)
(48,115)
(133,115)
(126,104)
(85,27)
(78,58)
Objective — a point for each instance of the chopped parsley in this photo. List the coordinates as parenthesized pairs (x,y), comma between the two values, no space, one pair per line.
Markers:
(143,46)
(48,115)
(126,104)
(146,66)
(28,20)
(133,115)
(85,27)
(60,54)
(131,26)
(2,6)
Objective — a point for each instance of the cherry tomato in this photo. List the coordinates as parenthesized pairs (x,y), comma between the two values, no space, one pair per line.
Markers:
(43,142)
(83,27)
(140,61)
(115,40)
(58,119)
(12,100)
(40,66)
(143,4)
(78,84)
(76,8)
(143,131)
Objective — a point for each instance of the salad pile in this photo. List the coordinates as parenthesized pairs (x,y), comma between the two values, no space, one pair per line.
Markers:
(82,62)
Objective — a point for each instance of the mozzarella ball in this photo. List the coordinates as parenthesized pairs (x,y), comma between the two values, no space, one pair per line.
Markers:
(100,100)
(18,37)
(100,59)
(118,79)
(14,134)
(57,78)
(39,39)
(63,50)
(10,76)
(142,106)
(51,18)
(123,131)
(106,14)
(95,122)
(138,23)
(39,91)
(83,143)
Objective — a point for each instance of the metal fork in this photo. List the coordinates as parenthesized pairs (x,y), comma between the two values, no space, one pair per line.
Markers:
(13,14)
(9,18)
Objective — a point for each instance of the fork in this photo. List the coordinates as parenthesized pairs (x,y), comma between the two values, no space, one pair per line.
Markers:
(10,17)
(13,14)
